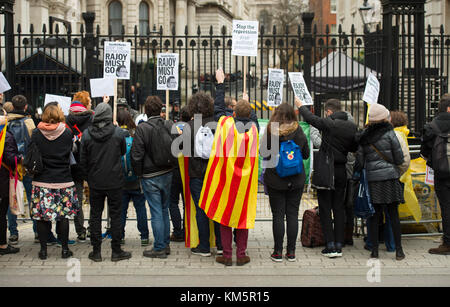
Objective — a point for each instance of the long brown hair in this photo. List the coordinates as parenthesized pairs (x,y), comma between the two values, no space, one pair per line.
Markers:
(284,114)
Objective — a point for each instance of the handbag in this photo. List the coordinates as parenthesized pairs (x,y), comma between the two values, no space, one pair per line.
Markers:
(363,206)
(15,193)
(33,160)
(323,169)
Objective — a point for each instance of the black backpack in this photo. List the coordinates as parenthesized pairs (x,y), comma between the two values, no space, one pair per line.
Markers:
(33,160)
(19,130)
(440,155)
(161,143)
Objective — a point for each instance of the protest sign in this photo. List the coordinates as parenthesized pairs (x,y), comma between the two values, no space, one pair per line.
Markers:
(116,60)
(245,38)
(275,87)
(4,85)
(299,87)
(372,90)
(167,71)
(63,101)
(101,87)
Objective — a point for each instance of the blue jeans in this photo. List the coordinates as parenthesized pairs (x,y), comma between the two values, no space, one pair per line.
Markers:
(141,212)
(157,194)
(387,231)
(196,185)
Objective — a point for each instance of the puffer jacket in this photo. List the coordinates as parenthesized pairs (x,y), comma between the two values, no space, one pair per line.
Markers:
(383,137)
(293,132)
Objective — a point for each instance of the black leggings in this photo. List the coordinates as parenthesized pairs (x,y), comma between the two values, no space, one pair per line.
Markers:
(392,210)
(45,227)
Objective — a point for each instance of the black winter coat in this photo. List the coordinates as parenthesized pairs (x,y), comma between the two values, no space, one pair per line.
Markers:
(337,131)
(82,121)
(101,150)
(55,157)
(271,178)
(383,137)
(141,153)
(9,153)
(442,120)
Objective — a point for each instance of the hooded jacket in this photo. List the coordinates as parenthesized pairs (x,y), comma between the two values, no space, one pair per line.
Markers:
(80,120)
(383,137)
(55,144)
(9,153)
(291,131)
(102,146)
(29,123)
(442,120)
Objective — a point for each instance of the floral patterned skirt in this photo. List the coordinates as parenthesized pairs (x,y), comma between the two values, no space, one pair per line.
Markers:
(53,204)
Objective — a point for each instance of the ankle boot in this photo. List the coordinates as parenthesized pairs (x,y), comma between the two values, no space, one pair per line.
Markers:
(399,255)
(374,253)
(43,254)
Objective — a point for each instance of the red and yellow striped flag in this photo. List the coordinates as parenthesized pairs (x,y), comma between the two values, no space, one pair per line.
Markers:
(2,140)
(190,222)
(230,186)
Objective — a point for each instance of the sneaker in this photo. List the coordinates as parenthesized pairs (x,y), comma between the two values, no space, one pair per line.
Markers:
(199,252)
(52,241)
(242,260)
(330,253)
(290,256)
(145,242)
(338,250)
(9,250)
(14,239)
(224,261)
(82,237)
(219,252)
(443,249)
(88,232)
(277,257)
(121,255)
(155,254)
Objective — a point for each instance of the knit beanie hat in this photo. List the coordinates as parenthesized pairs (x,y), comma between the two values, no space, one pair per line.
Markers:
(378,112)
(103,115)
(77,107)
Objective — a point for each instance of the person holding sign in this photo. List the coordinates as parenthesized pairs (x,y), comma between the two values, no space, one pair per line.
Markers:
(338,139)
(436,133)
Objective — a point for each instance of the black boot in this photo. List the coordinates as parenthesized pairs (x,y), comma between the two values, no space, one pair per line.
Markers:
(374,253)
(121,255)
(43,254)
(66,253)
(399,255)
(96,255)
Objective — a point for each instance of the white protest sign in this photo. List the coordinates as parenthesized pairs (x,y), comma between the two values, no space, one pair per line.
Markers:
(372,90)
(63,101)
(299,87)
(245,38)
(116,60)
(275,87)
(4,85)
(167,71)
(101,87)
(429,177)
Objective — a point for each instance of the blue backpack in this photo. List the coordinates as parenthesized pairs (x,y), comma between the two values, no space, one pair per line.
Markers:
(19,130)
(126,162)
(290,161)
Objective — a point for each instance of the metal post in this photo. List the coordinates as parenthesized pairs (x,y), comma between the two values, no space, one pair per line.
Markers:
(89,45)
(6,8)
(308,18)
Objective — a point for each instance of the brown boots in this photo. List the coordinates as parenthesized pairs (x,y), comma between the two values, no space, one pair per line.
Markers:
(441,250)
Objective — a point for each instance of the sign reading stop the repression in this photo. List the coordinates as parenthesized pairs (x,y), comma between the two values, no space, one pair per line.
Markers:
(116,60)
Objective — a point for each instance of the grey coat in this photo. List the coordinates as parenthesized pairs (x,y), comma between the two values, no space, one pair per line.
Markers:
(383,137)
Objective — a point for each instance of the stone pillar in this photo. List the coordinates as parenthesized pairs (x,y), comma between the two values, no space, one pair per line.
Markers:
(180,16)
(39,14)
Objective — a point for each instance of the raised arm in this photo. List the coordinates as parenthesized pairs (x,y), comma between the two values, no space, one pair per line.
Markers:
(219,102)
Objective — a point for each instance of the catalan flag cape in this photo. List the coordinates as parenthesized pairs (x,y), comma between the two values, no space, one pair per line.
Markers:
(231,182)
(190,222)
(2,140)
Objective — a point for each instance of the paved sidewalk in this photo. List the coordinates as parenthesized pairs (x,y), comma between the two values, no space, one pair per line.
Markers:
(183,269)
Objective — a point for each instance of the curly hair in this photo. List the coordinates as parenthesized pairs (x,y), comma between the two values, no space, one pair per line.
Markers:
(201,103)
(82,97)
